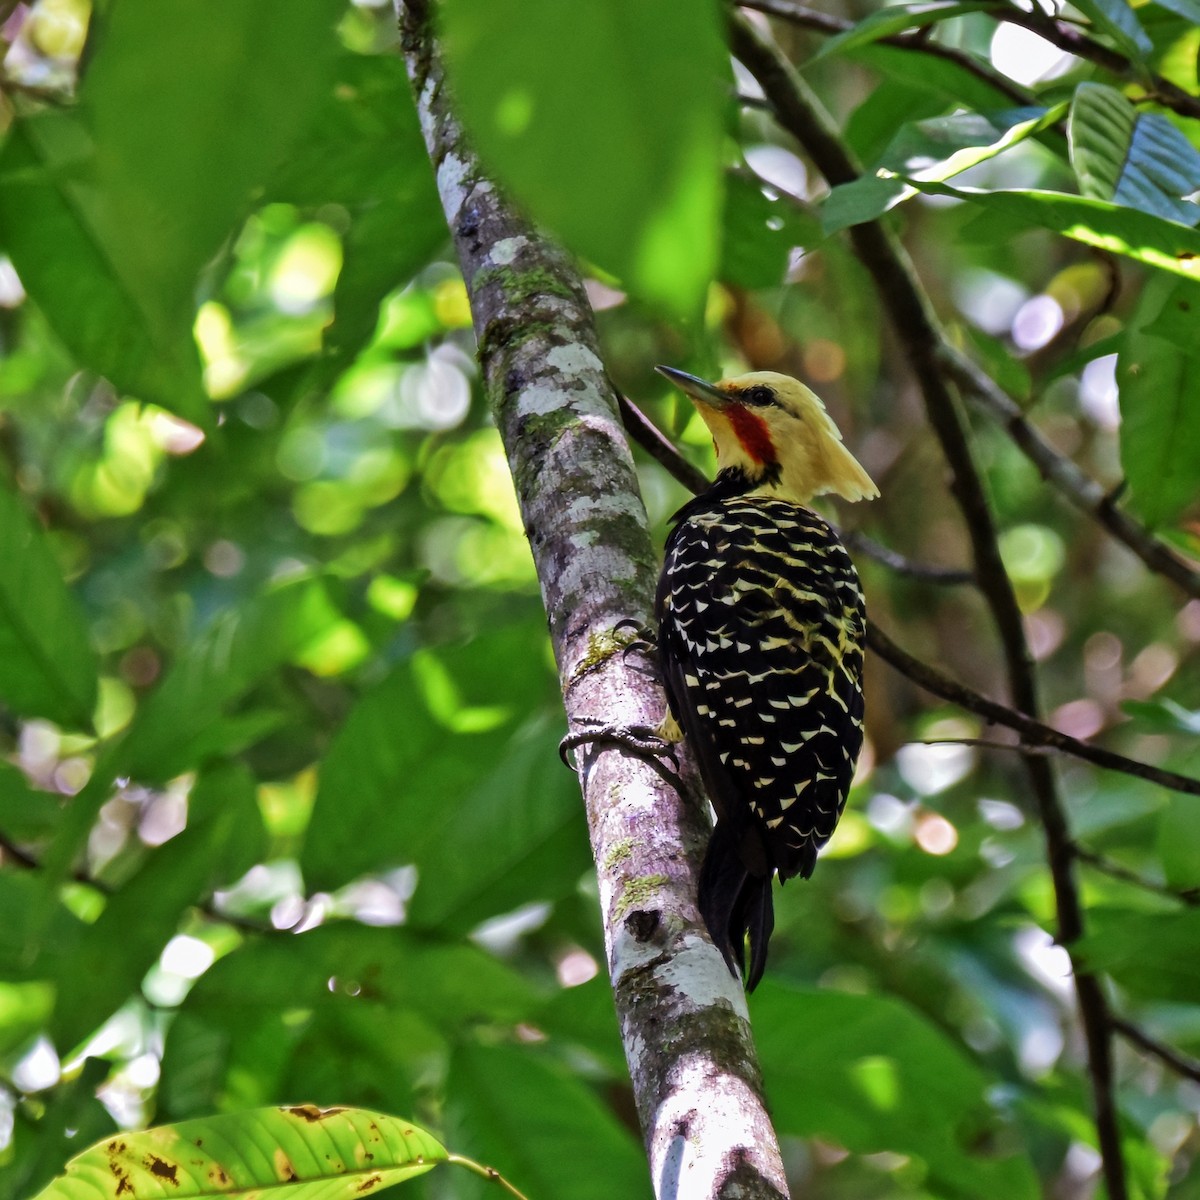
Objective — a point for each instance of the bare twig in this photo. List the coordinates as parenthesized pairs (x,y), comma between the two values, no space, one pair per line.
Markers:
(1074,41)
(801,114)
(1106,866)
(659,447)
(21,857)
(858,541)
(1062,473)
(819,22)
(1033,732)
(1181,1063)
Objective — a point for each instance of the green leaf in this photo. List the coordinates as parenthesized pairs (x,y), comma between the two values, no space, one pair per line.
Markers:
(36,929)
(1179,842)
(395,770)
(872,1075)
(1137,235)
(106,319)
(447,984)
(520,838)
(1163,716)
(897,18)
(605,121)
(1152,955)
(409,789)
(943,77)
(173,730)
(975,138)
(47,668)
(543,1128)
(1159,388)
(759,233)
(1139,160)
(73,1117)
(140,917)
(109,214)
(26,814)
(304,1152)
(1188,9)
(238,650)
(1119,21)
(364,151)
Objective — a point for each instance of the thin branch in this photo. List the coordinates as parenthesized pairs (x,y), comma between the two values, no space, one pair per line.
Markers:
(799,111)
(1074,41)
(819,22)
(858,541)
(22,858)
(1033,732)
(658,446)
(1177,1061)
(683,1016)
(1107,866)
(1063,474)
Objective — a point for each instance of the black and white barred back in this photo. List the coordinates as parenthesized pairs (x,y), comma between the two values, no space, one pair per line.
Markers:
(761,628)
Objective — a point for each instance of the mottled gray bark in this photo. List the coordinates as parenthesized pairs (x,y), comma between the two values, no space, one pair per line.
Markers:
(683,1017)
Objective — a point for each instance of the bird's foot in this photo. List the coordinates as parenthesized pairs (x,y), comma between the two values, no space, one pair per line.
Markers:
(654,741)
(644,640)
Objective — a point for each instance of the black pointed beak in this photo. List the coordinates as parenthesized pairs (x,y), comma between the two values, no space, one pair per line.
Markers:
(699,389)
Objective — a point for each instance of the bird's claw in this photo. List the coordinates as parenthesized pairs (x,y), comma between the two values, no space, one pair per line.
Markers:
(644,640)
(642,739)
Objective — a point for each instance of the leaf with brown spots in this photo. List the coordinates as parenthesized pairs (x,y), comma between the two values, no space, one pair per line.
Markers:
(330,1152)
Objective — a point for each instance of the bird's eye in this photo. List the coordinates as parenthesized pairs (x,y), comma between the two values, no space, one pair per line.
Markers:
(758,395)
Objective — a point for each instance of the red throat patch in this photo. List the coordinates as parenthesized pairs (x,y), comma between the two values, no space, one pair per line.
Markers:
(751,430)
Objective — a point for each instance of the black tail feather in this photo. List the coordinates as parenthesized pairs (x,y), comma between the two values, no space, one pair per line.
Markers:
(734,903)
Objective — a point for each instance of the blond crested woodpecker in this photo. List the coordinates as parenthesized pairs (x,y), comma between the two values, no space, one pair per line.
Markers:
(760,635)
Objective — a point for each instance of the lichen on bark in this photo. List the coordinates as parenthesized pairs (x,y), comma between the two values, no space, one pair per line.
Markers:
(683,1016)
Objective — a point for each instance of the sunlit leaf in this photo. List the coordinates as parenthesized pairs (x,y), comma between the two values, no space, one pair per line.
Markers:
(1117,19)
(111,212)
(871,1075)
(1160,407)
(173,729)
(976,138)
(47,667)
(364,151)
(140,916)
(304,1152)
(1138,235)
(1135,159)
(605,121)
(896,18)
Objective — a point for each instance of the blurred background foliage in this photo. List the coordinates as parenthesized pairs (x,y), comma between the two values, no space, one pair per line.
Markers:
(281,816)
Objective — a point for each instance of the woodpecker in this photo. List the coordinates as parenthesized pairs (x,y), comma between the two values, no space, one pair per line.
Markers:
(760,636)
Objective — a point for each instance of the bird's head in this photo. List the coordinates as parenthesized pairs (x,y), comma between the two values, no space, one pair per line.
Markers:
(776,432)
